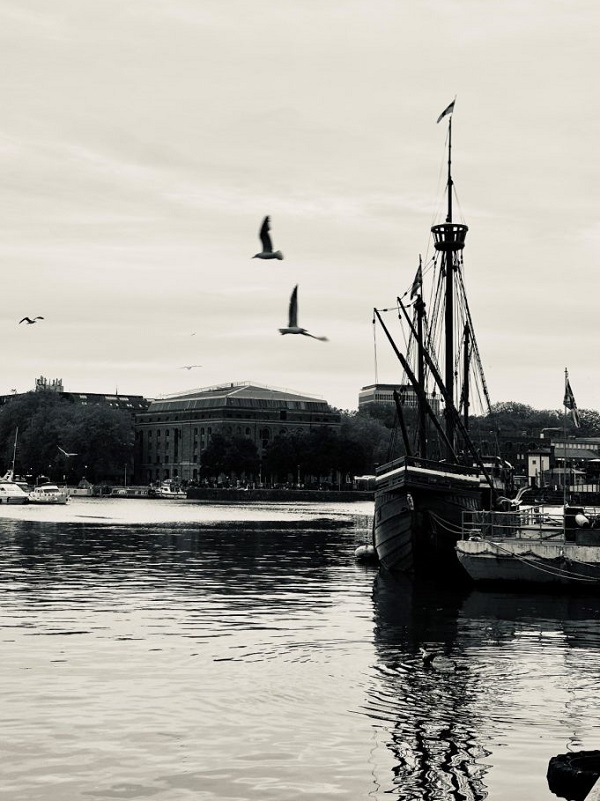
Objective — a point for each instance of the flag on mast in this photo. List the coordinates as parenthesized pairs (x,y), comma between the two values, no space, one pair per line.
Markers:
(448,110)
(569,401)
(418,282)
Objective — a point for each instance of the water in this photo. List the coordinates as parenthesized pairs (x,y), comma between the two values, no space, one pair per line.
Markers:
(175,650)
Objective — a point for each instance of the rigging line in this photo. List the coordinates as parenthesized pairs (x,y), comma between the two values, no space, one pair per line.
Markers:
(447,524)
(425,268)
(474,344)
(559,572)
(460,215)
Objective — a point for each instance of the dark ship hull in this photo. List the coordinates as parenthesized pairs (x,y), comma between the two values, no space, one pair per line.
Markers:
(419,507)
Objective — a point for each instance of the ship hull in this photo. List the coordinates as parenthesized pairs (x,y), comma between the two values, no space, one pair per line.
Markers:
(418,515)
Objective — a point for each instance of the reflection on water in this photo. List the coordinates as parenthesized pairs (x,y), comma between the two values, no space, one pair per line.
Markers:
(185,651)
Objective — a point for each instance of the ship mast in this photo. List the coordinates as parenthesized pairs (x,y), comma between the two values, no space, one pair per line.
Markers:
(449,239)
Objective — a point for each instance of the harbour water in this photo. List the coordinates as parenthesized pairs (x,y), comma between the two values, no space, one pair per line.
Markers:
(175,650)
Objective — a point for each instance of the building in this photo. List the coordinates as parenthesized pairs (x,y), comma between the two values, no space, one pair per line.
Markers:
(172,433)
(384,394)
(130,403)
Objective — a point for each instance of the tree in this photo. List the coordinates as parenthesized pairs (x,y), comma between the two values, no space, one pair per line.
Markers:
(214,460)
(241,457)
(101,438)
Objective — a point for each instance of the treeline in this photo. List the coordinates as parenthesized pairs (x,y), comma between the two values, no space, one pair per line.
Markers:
(317,455)
(100,439)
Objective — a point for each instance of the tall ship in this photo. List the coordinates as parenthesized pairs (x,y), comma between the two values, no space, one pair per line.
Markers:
(420,497)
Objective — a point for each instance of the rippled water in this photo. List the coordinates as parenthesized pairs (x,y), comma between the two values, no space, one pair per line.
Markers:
(175,650)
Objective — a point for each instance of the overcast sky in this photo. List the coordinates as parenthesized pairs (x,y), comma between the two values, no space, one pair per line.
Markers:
(143,141)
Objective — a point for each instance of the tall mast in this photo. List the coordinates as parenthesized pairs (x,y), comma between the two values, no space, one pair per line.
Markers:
(449,238)
(466,366)
(421,411)
(15,452)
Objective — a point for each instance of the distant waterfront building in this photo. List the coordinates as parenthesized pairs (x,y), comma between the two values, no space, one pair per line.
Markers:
(130,403)
(172,433)
(384,394)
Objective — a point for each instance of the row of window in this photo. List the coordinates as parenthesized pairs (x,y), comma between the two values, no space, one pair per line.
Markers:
(263,433)
(283,415)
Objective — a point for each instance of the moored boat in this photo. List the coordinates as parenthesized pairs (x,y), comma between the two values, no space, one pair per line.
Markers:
(11,492)
(49,493)
(167,489)
(534,547)
(421,496)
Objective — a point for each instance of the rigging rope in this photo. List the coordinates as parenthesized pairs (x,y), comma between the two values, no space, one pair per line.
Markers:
(558,572)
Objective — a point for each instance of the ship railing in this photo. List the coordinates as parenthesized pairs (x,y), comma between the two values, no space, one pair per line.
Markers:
(427,464)
(534,523)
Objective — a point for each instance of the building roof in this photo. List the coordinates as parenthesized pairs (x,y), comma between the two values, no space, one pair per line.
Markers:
(131,403)
(128,402)
(242,395)
(581,454)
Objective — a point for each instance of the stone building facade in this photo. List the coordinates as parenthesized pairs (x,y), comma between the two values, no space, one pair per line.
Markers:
(172,433)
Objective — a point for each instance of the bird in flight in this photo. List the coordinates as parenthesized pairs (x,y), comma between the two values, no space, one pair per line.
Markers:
(189,366)
(293,327)
(267,251)
(29,321)
(64,453)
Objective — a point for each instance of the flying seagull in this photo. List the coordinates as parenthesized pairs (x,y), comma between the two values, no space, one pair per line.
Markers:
(189,366)
(293,319)
(29,321)
(267,246)
(64,453)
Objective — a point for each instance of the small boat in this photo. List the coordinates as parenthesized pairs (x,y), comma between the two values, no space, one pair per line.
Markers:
(11,492)
(47,492)
(532,547)
(167,489)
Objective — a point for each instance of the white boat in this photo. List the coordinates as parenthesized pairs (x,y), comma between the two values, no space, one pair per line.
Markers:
(533,547)
(49,493)
(11,492)
(168,489)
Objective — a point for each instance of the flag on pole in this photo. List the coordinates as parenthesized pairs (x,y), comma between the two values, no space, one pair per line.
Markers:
(569,403)
(446,111)
(418,282)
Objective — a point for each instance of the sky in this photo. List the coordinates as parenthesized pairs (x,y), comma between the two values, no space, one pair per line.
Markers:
(142,144)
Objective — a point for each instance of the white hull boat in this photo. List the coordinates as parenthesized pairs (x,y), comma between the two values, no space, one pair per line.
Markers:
(49,494)
(12,493)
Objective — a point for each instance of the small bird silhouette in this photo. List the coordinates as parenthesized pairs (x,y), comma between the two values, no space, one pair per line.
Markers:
(65,452)
(267,246)
(189,366)
(293,327)
(29,321)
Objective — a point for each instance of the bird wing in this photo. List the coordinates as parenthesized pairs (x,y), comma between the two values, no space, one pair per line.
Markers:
(321,339)
(25,320)
(39,318)
(265,238)
(293,313)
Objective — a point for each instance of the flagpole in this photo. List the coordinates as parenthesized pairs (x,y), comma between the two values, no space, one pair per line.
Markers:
(565,446)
